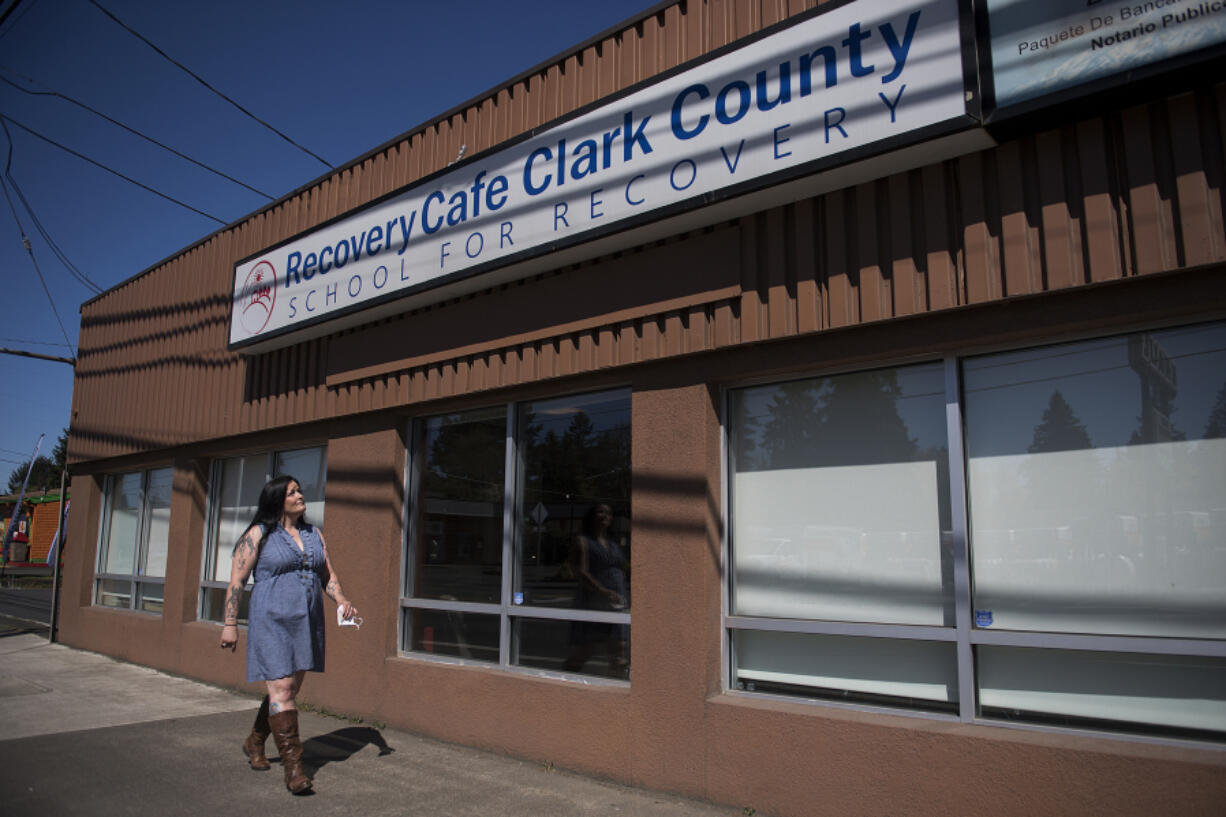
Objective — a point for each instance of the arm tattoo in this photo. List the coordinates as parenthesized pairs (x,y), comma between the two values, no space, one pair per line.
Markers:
(244,555)
(333,589)
(244,550)
(245,545)
(234,594)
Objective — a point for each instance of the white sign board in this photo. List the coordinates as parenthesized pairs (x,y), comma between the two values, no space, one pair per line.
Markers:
(864,77)
(1043,46)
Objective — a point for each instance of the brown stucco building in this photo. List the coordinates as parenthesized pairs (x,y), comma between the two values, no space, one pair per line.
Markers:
(914,455)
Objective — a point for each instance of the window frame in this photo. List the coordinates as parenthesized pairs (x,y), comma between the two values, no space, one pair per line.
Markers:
(512,550)
(136,579)
(212,522)
(964,634)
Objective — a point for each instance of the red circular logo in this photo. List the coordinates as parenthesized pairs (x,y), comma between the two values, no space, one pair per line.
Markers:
(258,296)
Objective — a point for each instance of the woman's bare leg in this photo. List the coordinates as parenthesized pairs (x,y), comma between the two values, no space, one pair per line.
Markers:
(283,691)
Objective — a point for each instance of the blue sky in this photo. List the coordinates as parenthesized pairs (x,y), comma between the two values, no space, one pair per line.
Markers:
(338,78)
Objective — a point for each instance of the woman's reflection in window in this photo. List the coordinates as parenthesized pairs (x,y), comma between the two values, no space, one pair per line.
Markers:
(600,565)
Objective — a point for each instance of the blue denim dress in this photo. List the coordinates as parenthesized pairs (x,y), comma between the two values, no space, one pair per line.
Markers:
(285,629)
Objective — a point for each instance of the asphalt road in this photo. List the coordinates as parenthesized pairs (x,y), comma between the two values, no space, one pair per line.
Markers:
(31,605)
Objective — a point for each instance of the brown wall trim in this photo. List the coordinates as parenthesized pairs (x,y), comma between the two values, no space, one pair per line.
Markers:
(676,275)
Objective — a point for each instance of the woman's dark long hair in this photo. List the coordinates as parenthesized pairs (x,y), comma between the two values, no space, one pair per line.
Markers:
(272,502)
(589,519)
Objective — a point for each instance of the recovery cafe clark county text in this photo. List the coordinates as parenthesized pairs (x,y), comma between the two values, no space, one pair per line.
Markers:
(786,100)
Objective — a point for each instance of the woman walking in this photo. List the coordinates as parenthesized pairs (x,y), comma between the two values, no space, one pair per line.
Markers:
(285,629)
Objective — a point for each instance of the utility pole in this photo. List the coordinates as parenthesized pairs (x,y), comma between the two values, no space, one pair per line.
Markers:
(57,553)
(71,361)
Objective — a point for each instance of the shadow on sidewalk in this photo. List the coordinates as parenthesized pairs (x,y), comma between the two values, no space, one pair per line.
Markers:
(339,746)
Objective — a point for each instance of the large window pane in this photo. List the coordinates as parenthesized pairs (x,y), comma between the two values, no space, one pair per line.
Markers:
(115,593)
(136,538)
(588,648)
(460,506)
(455,634)
(840,499)
(241,481)
(1185,692)
(157,541)
(1097,479)
(150,597)
(124,524)
(568,536)
(574,512)
(309,467)
(866,670)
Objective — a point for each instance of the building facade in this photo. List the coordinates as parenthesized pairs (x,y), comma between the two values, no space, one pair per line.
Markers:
(828,415)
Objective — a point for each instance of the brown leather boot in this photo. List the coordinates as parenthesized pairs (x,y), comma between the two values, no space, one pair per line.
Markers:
(253,746)
(285,733)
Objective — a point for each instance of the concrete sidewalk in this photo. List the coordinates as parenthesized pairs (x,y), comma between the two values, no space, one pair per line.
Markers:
(84,734)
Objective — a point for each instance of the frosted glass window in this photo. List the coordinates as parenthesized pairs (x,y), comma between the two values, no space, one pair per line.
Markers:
(864,669)
(1186,692)
(124,524)
(241,481)
(135,540)
(157,542)
(840,499)
(1097,483)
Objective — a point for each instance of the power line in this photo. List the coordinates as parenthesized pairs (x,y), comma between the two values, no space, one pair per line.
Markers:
(51,141)
(130,130)
(9,11)
(55,249)
(30,250)
(25,240)
(68,265)
(199,79)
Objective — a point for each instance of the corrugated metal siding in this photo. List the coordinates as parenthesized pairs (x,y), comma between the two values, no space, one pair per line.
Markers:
(1127,194)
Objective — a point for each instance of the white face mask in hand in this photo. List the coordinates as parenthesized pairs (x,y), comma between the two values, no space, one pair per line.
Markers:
(353,621)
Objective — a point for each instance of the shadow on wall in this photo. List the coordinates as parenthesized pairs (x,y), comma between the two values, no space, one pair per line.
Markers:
(356,487)
(81,435)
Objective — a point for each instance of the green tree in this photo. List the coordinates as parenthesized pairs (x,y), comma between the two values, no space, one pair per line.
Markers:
(46,474)
(59,454)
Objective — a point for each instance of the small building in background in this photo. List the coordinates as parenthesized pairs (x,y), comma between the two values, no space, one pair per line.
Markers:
(36,526)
